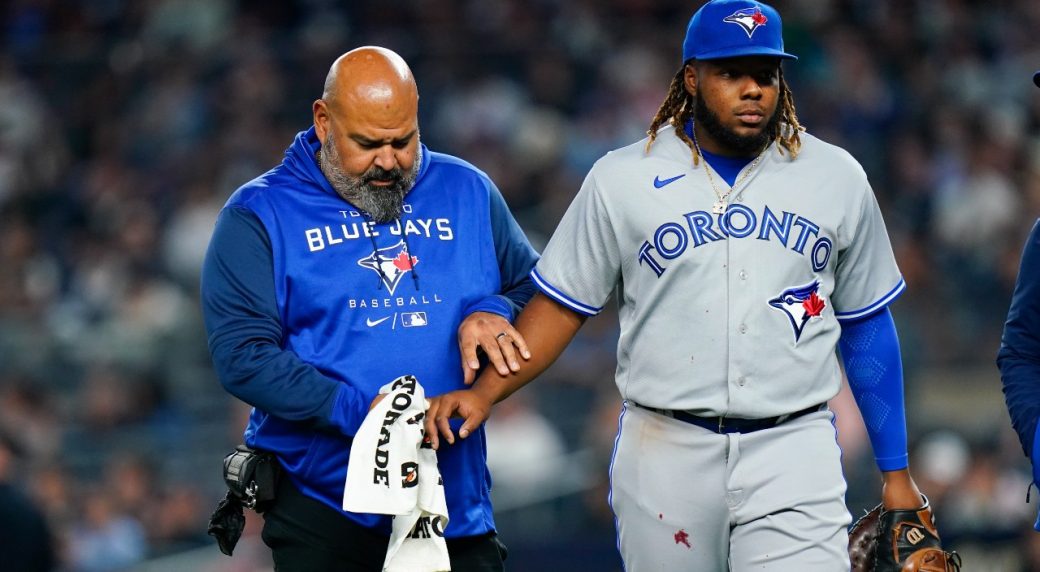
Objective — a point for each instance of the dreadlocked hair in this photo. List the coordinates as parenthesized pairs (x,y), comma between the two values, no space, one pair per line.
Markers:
(788,133)
(678,105)
(677,109)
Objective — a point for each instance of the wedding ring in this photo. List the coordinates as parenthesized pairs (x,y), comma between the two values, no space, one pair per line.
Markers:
(500,334)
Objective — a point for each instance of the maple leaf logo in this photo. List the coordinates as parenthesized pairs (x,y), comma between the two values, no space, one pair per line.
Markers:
(759,18)
(683,537)
(813,305)
(405,262)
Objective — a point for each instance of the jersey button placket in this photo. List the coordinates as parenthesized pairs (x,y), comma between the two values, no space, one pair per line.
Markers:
(733,296)
(739,293)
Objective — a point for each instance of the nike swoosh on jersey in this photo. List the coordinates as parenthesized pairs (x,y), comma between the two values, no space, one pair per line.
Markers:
(658,183)
(370,322)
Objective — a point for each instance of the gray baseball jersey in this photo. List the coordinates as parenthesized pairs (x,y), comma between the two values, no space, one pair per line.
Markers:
(733,314)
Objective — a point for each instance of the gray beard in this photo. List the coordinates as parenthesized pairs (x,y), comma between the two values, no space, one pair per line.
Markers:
(382,204)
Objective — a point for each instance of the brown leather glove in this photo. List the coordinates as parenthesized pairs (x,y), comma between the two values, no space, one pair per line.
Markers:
(899,541)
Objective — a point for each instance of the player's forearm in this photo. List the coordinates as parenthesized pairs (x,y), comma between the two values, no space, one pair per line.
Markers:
(547,327)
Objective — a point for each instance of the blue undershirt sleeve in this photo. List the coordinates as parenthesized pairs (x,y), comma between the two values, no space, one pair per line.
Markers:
(516,257)
(245,333)
(873,365)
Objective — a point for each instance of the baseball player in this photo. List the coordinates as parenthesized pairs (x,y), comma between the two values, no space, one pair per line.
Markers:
(742,251)
(1019,355)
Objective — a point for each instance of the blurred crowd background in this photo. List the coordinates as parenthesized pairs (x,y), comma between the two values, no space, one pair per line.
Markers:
(125,125)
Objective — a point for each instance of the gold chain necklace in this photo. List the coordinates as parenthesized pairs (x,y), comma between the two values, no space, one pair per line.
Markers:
(719,207)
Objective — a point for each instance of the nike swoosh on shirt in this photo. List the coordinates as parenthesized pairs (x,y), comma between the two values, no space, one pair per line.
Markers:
(370,322)
(658,183)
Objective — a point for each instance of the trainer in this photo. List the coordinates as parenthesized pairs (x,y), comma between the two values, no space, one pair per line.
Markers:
(362,257)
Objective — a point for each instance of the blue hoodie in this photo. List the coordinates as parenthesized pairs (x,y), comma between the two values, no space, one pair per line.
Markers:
(310,308)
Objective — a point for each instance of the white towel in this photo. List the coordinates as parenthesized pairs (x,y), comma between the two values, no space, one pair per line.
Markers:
(393,471)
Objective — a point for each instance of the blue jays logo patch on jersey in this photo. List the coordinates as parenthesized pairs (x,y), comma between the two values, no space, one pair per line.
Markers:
(749,19)
(800,304)
(390,264)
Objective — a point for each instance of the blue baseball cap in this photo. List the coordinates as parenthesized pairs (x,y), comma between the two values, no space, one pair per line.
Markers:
(1036,79)
(733,28)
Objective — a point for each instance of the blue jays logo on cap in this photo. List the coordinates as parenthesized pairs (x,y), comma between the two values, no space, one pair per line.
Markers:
(732,29)
(800,304)
(749,19)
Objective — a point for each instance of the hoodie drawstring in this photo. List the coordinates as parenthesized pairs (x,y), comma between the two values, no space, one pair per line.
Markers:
(408,249)
(375,256)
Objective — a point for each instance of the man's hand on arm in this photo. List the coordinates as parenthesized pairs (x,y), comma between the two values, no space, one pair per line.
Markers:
(549,327)
(496,337)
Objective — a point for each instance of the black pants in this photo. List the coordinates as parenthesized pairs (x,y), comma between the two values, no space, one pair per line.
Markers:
(306,536)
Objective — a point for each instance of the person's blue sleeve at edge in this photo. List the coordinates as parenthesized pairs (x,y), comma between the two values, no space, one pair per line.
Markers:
(515,257)
(1019,354)
(245,334)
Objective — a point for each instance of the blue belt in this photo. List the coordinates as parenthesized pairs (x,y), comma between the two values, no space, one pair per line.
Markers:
(732,424)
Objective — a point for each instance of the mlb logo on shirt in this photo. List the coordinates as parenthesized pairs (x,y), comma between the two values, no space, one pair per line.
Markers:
(413,319)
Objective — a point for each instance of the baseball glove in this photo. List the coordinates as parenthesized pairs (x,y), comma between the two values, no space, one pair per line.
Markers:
(899,541)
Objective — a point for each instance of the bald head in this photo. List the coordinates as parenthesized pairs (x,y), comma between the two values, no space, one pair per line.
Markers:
(368,123)
(369,74)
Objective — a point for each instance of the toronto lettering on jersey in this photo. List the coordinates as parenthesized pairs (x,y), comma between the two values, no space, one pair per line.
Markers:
(330,235)
(671,239)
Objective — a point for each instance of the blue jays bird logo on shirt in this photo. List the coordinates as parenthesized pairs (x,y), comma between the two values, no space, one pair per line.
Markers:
(390,264)
(800,304)
(749,19)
